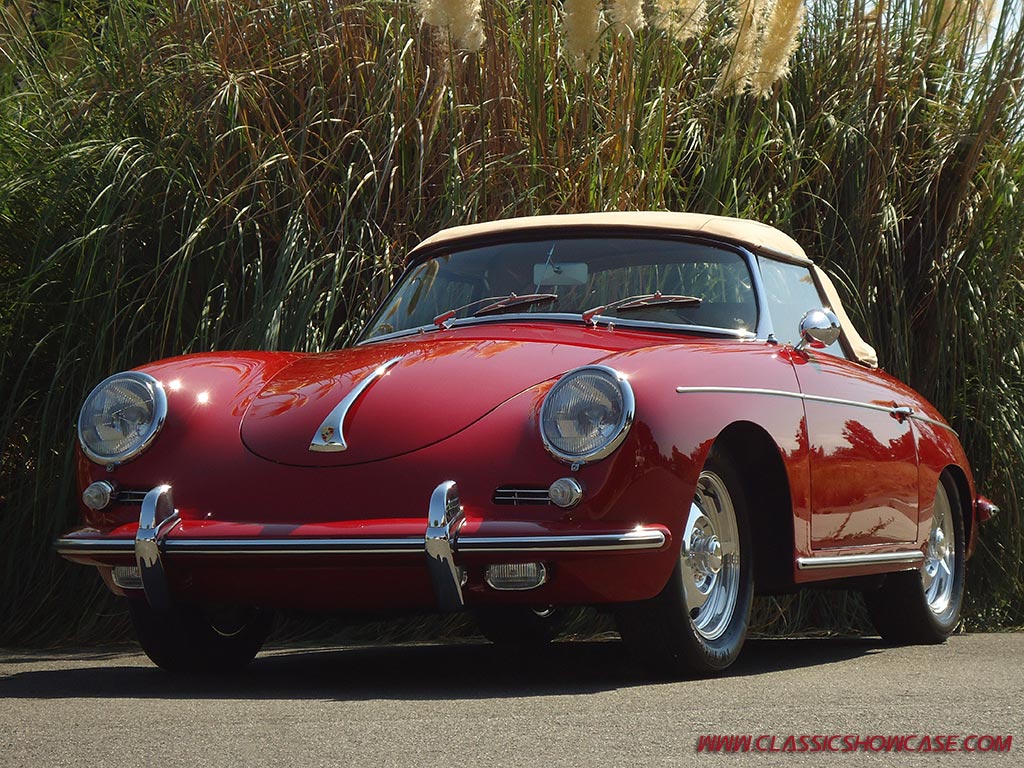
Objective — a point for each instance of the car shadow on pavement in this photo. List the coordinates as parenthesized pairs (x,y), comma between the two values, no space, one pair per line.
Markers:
(462,671)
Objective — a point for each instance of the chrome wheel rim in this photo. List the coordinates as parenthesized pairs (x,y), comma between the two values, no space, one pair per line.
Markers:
(711,558)
(939,569)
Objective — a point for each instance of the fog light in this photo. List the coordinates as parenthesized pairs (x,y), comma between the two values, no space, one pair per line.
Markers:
(98,495)
(516,576)
(565,493)
(127,577)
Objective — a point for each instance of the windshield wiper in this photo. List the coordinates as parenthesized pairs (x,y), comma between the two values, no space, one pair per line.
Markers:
(512,301)
(643,301)
(497,305)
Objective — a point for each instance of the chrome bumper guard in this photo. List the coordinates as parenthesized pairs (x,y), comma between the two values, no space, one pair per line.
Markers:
(441,543)
(157,518)
(444,517)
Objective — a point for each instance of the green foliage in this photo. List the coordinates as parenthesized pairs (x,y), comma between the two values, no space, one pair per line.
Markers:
(248,174)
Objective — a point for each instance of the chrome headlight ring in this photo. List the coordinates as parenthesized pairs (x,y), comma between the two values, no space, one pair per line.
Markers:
(586,415)
(121,417)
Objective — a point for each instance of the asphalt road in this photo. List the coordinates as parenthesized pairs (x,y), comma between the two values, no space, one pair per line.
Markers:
(580,704)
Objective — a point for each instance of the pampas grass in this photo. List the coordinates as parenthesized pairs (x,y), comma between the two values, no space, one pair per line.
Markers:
(461,17)
(781,37)
(628,14)
(683,19)
(743,42)
(583,22)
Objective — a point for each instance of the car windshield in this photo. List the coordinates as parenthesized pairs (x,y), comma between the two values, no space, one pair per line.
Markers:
(573,276)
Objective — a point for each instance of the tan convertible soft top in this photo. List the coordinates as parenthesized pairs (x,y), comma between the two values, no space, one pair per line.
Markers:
(756,236)
(752,233)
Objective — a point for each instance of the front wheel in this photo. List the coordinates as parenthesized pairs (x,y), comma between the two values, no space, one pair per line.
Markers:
(520,626)
(923,607)
(190,639)
(698,622)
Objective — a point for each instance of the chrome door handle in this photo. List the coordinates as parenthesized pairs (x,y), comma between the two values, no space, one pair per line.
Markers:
(901,413)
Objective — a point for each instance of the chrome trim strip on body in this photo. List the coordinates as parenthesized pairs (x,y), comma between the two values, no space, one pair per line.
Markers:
(738,390)
(330,435)
(934,422)
(85,547)
(914,557)
(783,393)
(898,411)
(395,546)
(637,539)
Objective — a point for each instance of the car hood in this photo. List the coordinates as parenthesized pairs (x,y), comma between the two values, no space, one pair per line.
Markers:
(431,390)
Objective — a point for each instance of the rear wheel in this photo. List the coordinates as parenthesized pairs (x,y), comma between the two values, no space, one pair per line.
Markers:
(192,639)
(698,622)
(923,606)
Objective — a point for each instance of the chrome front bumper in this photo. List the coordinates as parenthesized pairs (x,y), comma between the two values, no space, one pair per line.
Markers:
(441,543)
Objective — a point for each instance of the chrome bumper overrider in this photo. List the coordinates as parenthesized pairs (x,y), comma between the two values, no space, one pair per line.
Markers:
(441,543)
(157,518)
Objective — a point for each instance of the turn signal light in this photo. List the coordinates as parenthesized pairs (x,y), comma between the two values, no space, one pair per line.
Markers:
(98,495)
(565,493)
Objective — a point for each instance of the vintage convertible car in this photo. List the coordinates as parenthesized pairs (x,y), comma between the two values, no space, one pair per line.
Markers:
(659,414)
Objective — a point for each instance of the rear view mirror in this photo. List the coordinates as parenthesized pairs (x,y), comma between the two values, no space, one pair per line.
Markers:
(819,328)
(569,273)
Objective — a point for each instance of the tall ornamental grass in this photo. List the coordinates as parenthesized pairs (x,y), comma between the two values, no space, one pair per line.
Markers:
(204,174)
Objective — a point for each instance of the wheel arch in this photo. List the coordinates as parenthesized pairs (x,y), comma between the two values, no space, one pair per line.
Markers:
(963,490)
(759,463)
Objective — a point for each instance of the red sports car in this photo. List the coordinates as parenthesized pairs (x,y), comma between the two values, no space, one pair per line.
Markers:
(660,414)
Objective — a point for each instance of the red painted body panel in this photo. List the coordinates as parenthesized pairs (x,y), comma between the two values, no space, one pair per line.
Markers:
(424,398)
(863,461)
(463,405)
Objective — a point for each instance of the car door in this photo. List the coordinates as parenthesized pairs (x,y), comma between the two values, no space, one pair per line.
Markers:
(863,455)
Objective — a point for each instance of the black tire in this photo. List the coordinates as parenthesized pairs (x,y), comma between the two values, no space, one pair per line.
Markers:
(922,607)
(521,626)
(191,640)
(670,637)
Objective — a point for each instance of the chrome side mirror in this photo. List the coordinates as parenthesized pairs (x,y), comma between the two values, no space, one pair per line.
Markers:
(819,328)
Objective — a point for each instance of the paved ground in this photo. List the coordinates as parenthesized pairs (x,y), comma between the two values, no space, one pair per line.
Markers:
(582,704)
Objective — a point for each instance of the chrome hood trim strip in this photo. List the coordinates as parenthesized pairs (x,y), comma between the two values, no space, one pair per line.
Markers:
(330,435)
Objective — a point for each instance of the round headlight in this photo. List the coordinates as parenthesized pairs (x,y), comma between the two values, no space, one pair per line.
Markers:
(587,414)
(121,417)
